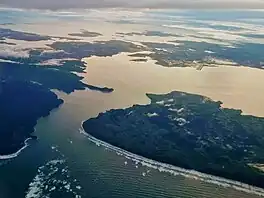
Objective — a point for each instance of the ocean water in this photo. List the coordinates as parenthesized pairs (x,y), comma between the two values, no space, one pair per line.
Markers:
(64,163)
(213,14)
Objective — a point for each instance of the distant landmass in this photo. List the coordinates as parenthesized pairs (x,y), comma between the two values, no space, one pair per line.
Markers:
(190,131)
(186,53)
(26,82)
(149,33)
(85,33)
(12,34)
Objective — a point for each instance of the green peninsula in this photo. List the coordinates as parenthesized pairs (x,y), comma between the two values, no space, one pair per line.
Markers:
(189,131)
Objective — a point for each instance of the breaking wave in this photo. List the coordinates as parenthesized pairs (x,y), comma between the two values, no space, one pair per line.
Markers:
(174,170)
(13,155)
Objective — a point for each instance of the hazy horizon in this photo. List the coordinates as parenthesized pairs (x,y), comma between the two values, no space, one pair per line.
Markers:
(157,4)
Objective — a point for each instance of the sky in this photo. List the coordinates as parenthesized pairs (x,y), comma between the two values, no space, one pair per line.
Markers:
(177,4)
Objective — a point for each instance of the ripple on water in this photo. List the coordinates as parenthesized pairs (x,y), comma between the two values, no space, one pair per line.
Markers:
(53,179)
(188,183)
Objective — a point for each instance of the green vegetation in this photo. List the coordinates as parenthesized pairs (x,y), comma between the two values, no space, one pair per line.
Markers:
(189,131)
(51,77)
(100,48)
(17,35)
(21,105)
(26,82)
(170,55)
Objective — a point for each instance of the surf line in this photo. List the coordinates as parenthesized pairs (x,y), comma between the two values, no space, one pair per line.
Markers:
(13,155)
(174,170)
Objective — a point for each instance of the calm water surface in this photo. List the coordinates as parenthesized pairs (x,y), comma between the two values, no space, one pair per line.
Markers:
(92,171)
(64,163)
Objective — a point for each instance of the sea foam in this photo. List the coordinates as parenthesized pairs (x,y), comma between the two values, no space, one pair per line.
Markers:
(174,170)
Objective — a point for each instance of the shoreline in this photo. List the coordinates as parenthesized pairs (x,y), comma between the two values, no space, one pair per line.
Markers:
(14,155)
(174,170)
(224,83)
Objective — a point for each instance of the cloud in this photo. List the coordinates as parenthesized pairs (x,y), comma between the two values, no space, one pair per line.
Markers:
(67,4)
(8,51)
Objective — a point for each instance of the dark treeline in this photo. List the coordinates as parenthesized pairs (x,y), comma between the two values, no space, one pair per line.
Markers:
(21,105)
(189,131)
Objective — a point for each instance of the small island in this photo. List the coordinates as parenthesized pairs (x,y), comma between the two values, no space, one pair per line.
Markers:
(189,131)
(139,60)
(85,33)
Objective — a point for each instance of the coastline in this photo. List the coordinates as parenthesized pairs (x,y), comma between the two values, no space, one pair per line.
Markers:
(224,83)
(26,144)
(13,155)
(174,170)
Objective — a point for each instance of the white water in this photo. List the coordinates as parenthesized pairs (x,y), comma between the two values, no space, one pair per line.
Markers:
(174,170)
(13,155)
